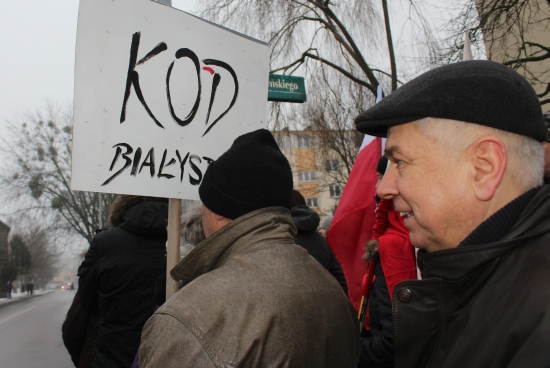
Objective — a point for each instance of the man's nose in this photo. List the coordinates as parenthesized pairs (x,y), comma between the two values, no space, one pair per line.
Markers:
(387,187)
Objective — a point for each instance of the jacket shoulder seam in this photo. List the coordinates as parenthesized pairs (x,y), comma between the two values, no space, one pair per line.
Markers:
(201,338)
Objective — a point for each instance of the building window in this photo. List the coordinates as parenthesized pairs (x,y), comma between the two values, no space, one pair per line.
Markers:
(312,202)
(305,141)
(335,190)
(307,176)
(332,165)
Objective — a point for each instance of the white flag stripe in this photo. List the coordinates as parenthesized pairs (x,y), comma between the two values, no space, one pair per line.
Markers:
(379,94)
(368,138)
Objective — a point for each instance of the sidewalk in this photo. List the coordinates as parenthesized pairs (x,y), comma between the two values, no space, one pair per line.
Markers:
(16,297)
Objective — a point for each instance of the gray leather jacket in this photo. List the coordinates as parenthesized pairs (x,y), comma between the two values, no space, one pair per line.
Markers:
(255,299)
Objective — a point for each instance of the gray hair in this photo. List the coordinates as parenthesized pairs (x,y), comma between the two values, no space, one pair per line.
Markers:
(525,155)
(191,231)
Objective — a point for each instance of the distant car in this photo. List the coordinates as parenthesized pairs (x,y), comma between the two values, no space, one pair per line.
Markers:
(54,285)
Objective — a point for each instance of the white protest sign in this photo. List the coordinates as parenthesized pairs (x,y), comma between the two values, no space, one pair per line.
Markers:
(159,94)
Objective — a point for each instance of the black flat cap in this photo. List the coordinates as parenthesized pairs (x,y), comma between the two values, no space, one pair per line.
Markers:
(478,91)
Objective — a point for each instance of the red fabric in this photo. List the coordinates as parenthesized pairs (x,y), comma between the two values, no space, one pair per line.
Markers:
(396,252)
(381,222)
(353,221)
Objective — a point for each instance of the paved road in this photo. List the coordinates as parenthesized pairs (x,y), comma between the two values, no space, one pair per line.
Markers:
(30,332)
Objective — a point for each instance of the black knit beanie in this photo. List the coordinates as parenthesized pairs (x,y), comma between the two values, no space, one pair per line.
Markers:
(477,91)
(382,165)
(297,199)
(252,174)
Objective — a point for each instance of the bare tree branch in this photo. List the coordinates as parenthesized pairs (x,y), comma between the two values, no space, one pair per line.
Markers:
(37,172)
(513,32)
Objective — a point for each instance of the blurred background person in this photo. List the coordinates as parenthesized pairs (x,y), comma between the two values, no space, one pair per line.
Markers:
(307,221)
(9,287)
(117,283)
(191,234)
(191,231)
(325,226)
(395,261)
(380,170)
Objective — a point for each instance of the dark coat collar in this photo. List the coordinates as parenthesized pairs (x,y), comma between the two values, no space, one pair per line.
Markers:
(454,264)
(265,225)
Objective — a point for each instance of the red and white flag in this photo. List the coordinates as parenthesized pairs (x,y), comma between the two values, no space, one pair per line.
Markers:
(353,221)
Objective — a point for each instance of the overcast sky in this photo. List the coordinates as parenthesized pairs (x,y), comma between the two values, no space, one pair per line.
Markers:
(37,52)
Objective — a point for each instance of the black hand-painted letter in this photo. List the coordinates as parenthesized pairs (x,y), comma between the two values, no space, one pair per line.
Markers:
(189,118)
(149,160)
(215,82)
(235,94)
(133,77)
(192,180)
(137,157)
(162,166)
(182,164)
(124,156)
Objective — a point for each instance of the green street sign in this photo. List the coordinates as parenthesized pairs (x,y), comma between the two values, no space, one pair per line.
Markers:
(286,88)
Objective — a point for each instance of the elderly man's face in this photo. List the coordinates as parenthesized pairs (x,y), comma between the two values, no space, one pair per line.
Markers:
(430,187)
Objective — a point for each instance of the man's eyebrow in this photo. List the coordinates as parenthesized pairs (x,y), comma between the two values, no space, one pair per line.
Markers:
(390,152)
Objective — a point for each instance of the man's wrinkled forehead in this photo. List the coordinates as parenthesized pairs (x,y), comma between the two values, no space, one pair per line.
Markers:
(391,148)
(395,128)
(399,141)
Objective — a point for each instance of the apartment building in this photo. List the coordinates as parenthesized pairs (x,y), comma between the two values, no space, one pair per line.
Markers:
(316,173)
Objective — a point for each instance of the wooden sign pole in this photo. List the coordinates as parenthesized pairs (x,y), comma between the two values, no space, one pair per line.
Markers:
(173,247)
(174,220)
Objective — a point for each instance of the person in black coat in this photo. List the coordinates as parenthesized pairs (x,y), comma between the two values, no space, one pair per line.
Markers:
(191,234)
(117,281)
(9,288)
(307,221)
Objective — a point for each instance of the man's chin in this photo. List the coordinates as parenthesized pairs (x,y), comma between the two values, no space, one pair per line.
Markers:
(428,247)
(421,243)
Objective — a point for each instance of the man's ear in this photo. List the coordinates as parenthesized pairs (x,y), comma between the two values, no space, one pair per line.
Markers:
(218,217)
(489,159)
(221,221)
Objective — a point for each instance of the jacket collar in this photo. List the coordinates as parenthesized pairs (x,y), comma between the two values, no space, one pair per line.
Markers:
(265,225)
(453,264)
(501,222)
